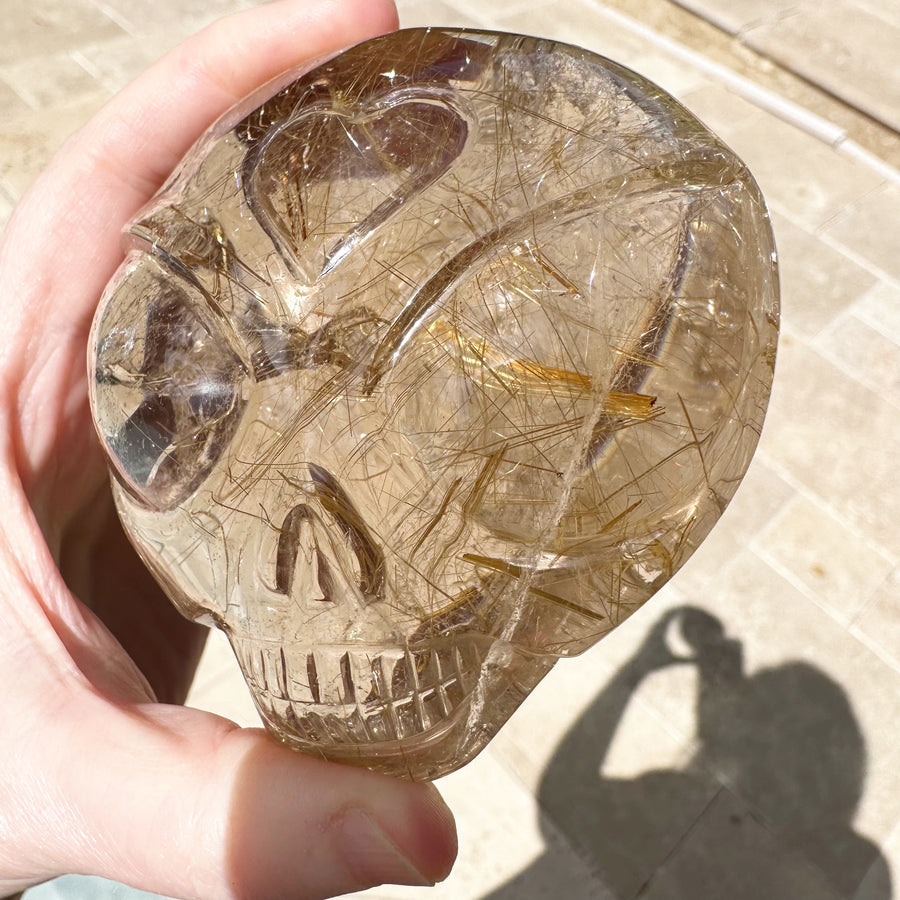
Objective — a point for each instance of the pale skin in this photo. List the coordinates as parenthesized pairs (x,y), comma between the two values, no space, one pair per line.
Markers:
(101,771)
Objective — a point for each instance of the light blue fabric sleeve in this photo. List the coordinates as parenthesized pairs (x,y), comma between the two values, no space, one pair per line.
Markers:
(85,887)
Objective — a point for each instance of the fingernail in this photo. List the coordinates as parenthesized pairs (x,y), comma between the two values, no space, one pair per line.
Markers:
(372,856)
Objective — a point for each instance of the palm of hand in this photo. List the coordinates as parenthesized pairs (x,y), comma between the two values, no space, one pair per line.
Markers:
(49,287)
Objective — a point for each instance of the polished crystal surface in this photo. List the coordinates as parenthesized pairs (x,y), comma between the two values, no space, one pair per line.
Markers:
(428,367)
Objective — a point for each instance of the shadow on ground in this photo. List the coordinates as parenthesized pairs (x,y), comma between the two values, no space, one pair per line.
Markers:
(763,812)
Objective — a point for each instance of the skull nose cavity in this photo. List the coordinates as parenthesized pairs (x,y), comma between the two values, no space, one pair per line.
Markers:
(302,568)
(356,534)
(326,552)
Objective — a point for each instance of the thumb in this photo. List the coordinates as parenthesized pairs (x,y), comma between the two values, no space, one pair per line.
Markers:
(183,803)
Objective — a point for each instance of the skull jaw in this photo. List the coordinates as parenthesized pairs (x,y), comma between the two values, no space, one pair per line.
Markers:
(417,731)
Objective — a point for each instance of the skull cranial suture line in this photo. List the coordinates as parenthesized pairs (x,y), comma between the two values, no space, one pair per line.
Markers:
(429,368)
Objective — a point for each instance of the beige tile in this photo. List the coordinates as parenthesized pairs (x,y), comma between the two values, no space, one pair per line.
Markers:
(217,658)
(880,309)
(866,354)
(572,22)
(736,16)
(787,706)
(849,51)
(800,176)
(646,740)
(418,13)
(35,28)
(730,853)
(27,142)
(817,282)
(11,104)
(625,828)
(721,109)
(890,11)
(869,228)
(115,63)
(819,705)
(219,686)
(835,566)
(489,14)
(783,681)
(837,438)
(879,624)
(655,640)
(228,697)
(49,81)
(609,774)
(136,16)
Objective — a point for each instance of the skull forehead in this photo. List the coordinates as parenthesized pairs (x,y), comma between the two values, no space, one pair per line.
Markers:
(405,157)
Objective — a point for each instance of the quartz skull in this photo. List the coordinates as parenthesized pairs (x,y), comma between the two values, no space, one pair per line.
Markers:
(427,367)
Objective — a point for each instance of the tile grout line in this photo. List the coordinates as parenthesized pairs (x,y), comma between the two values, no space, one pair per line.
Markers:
(814,340)
(820,233)
(851,624)
(787,110)
(809,495)
(114,17)
(876,650)
(892,559)
(868,317)
(80,59)
(856,257)
(542,813)
(781,569)
(642,890)
(820,344)
(27,99)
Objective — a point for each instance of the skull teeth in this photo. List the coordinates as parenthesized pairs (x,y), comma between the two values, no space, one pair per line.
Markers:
(332,695)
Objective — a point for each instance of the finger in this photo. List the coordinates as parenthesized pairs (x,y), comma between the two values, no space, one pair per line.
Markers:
(356,829)
(217,812)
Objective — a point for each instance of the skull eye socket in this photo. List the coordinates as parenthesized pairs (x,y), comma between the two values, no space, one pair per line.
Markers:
(167,392)
(326,180)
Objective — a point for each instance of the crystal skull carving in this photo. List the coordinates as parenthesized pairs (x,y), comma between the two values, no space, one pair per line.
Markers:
(427,369)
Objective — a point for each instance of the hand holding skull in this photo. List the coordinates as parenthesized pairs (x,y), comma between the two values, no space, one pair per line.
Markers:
(97,776)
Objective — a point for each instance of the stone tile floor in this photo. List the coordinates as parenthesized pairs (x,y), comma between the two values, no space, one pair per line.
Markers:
(777,775)
(848,48)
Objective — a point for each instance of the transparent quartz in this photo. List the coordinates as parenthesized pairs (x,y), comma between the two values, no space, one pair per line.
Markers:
(427,367)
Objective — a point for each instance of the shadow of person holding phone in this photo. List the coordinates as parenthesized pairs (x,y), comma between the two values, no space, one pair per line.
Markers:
(764,810)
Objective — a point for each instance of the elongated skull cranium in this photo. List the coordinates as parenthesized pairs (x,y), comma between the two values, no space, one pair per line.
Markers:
(429,369)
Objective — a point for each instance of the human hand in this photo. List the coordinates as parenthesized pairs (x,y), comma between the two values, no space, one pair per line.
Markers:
(687,634)
(96,775)
(672,640)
